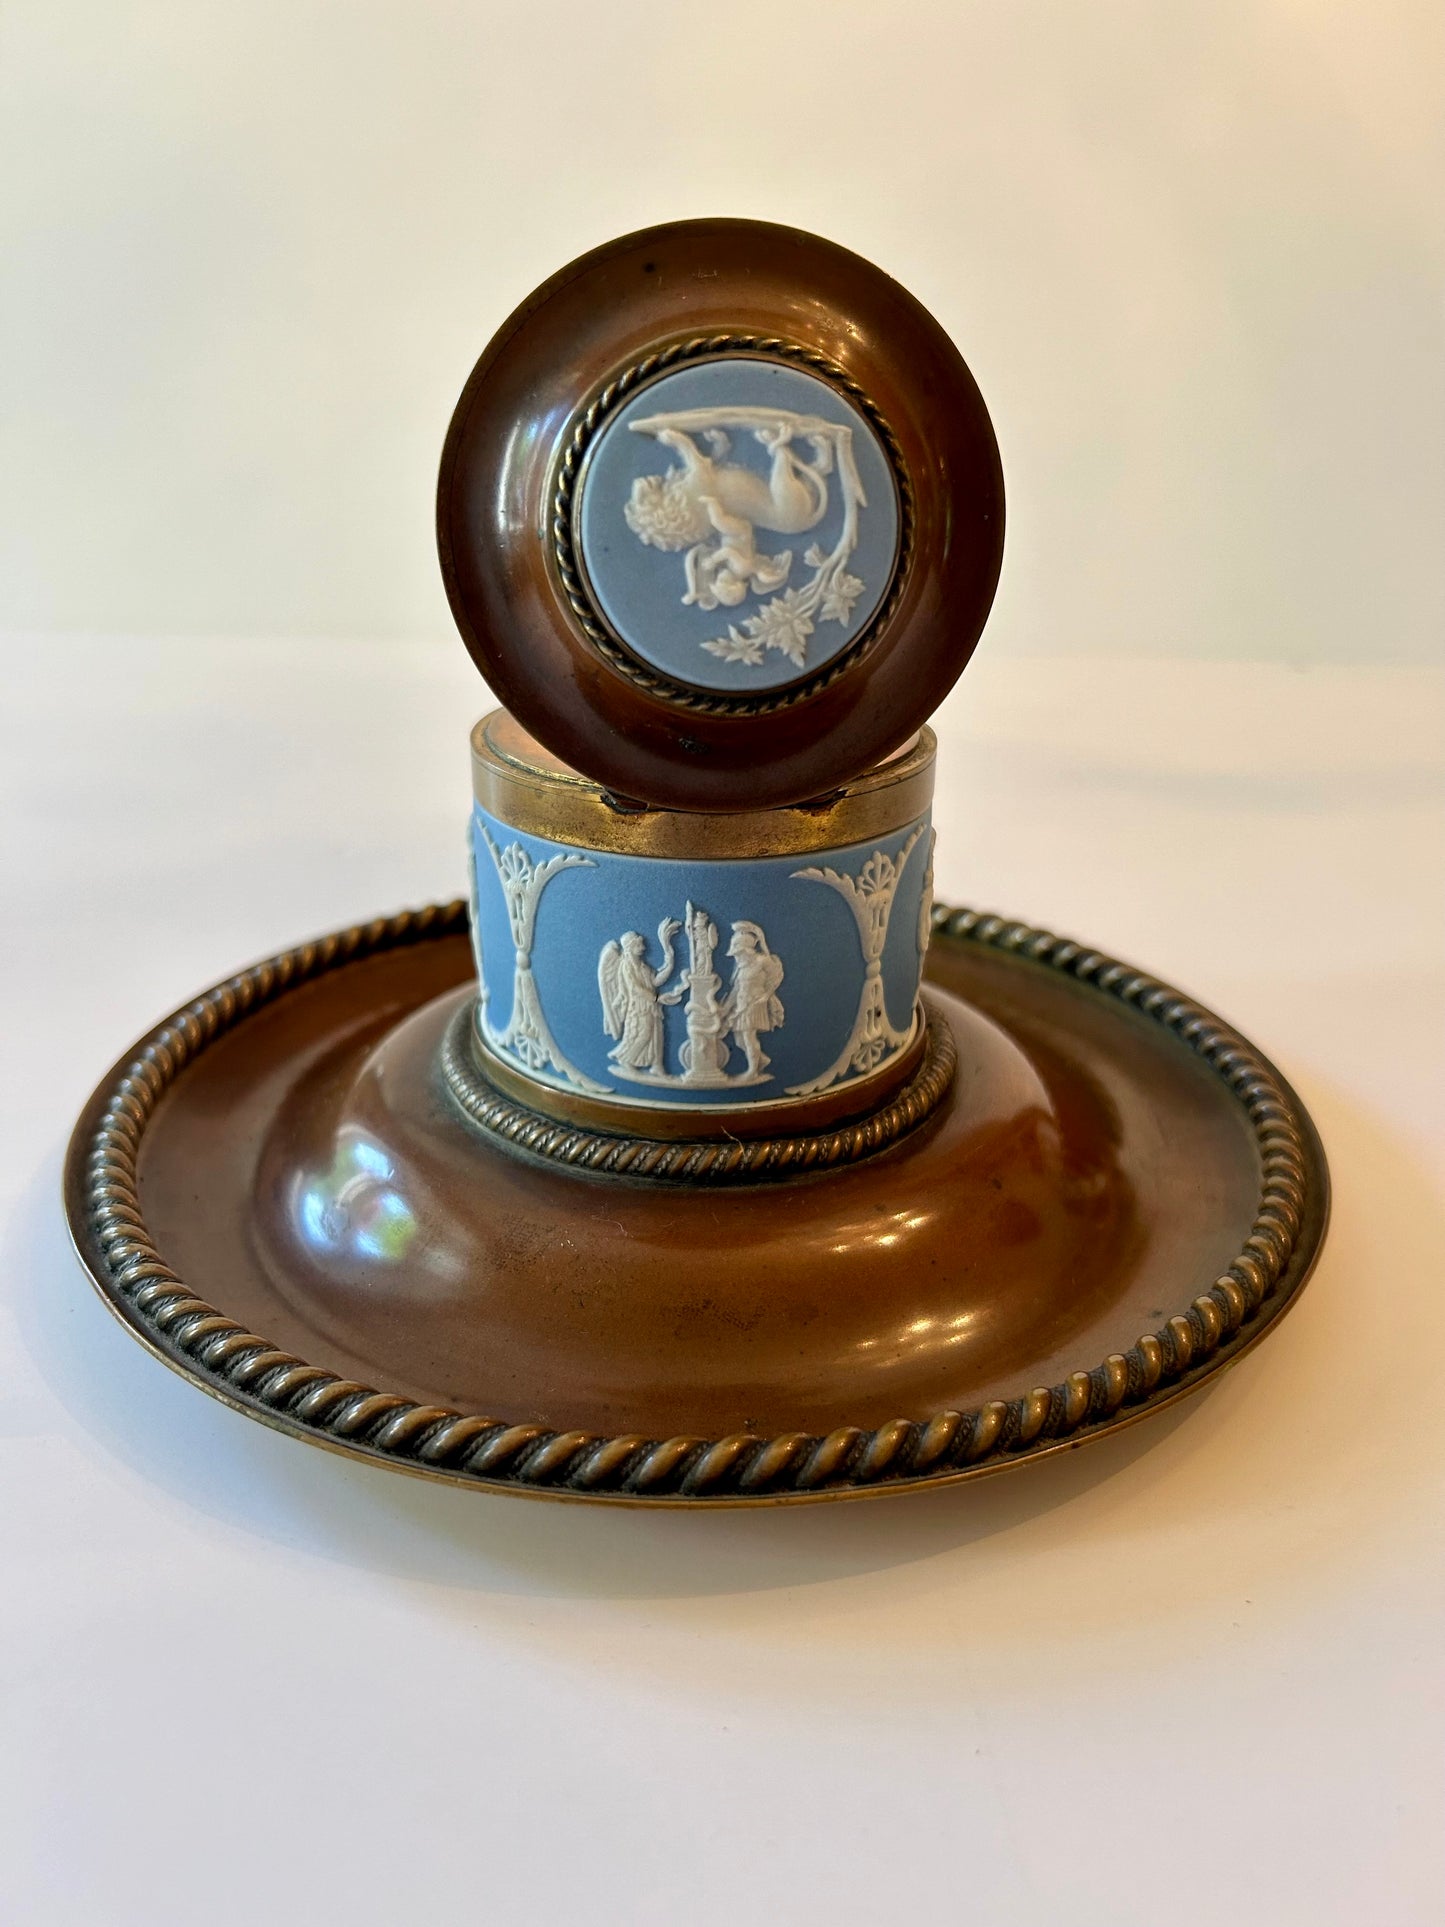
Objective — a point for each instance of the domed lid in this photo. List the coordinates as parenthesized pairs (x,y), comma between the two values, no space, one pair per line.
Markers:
(720,515)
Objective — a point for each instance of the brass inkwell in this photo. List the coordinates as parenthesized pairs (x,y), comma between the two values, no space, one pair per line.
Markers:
(698,1156)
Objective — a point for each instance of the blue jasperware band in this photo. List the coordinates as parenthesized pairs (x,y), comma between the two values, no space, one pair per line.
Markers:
(701,984)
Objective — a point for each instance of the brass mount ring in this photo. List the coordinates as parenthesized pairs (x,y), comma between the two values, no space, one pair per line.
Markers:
(693,1160)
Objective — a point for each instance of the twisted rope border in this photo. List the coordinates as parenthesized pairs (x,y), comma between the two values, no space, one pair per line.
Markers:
(693,1160)
(701,348)
(246,1370)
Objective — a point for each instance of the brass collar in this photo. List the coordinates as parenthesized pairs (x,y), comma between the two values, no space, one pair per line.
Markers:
(524,786)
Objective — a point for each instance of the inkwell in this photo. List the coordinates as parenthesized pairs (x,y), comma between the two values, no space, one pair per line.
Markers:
(696,1155)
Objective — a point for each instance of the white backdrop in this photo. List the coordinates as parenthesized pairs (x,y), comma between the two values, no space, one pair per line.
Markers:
(1191,248)
(1191,251)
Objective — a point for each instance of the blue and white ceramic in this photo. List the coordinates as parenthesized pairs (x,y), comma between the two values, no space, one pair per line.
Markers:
(738,522)
(713,984)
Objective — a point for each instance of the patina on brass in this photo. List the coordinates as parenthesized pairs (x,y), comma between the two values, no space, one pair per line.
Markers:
(515,779)
(1115,1199)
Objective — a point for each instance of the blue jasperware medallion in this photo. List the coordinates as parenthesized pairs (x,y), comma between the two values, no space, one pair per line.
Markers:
(737,522)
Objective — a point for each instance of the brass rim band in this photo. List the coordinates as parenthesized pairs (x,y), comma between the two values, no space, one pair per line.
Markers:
(517,782)
(695,1160)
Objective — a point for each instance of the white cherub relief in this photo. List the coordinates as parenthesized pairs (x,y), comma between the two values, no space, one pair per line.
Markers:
(712,509)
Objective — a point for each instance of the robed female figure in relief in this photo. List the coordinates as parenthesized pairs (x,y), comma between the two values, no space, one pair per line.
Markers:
(631,1006)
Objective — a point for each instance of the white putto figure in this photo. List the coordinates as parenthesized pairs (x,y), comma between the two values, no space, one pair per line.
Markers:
(752,1006)
(631,1005)
(712,508)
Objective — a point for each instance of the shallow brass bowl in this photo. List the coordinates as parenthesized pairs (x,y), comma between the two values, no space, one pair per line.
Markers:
(275,1194)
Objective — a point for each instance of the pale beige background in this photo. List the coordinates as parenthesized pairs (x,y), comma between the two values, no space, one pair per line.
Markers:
(1191,250)
(1189,1677)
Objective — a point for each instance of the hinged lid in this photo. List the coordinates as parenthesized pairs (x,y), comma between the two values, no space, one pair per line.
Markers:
(721,515)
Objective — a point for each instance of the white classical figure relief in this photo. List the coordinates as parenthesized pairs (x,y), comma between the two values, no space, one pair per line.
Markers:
(633,999)
(712,509)
(528,1036)
(869,896)
(752,1007)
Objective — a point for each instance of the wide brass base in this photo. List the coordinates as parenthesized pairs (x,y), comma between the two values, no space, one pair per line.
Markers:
(278,1193)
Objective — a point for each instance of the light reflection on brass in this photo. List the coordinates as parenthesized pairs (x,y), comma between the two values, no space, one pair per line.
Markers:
(355,1207)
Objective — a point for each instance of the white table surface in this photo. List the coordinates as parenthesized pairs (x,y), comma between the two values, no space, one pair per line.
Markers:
(1190,1675)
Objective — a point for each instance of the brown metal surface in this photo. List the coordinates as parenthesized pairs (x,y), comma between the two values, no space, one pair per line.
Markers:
(522,420)
(1116,1197)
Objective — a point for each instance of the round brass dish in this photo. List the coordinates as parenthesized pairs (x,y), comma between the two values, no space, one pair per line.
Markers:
(1115,1198)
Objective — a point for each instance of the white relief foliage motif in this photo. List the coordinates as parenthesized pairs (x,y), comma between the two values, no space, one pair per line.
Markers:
(633,999)
(712,509)
(869,896)
(528,1036)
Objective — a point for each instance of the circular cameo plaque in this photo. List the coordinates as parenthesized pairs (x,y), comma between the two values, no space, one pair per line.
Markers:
(720,515)
(737,523)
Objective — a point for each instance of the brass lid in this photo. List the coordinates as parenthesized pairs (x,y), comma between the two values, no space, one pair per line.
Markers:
(720,515)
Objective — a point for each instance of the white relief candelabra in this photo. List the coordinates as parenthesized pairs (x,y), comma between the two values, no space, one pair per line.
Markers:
(528,1036)
(870,897)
